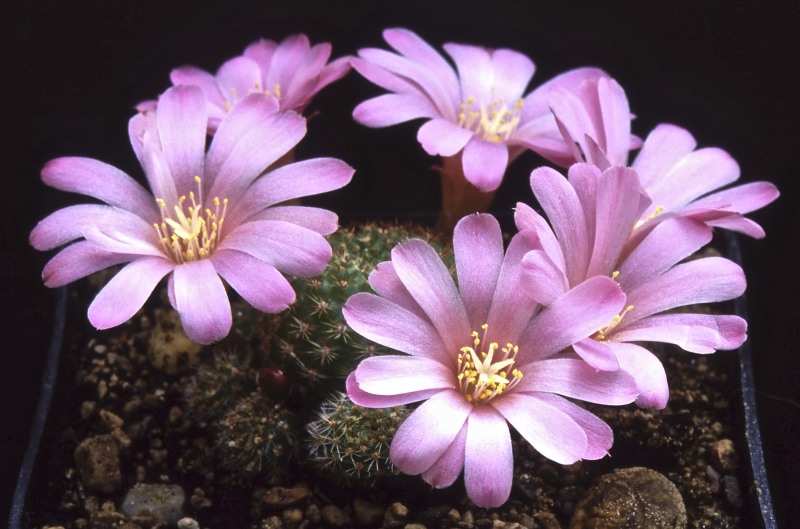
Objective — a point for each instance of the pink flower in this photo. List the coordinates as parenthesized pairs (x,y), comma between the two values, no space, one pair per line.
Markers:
(478,357)
(292,72)
(480,111)
(212,215)
(592,216)
(679,179)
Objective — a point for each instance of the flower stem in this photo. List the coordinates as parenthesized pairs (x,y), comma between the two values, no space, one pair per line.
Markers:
(459,197)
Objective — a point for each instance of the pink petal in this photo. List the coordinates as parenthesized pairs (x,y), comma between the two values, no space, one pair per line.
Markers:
(319,220)
(512,307)
(485,163)
(527,219)
(237,78)
(388,324)
(396,375)
(385,282)
(260,284)
(488,461)
(478,235)
(389,80)
(368,400)
(701,281)
(694,175)
(548,429)
(620,201)
(742,199)
(563,208)
(443,137)
(421,80)
(576,379)
(427,279)
(390,109)
(124,240)
(127,291)
(102,181)
(598,434)
(648,372)
(191,75)
(201,301)
(541,278)
(738,224)
(597,354)
(537,103)
(474,66)
(70,223)
(251,149)
(512,73)
(182,119)
(696,333)
(295,180)
(79,260)
(576,315)
(412,46)
(663,148)
(261,52)
(430,430)
(447,468)
(667,244)
(290,248)
(286,58)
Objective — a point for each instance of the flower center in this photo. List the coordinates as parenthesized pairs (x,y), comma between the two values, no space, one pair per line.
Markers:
(191,234)
(481,376)
(256,89)
(494,122)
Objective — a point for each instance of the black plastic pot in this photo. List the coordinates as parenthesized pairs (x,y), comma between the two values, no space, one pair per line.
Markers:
(747,413)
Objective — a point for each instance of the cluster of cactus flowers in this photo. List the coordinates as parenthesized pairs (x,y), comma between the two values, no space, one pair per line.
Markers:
(484,330)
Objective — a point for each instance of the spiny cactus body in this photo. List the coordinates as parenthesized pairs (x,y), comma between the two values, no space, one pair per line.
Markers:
(311,340)
(256,436)
(217,386)
(351,443)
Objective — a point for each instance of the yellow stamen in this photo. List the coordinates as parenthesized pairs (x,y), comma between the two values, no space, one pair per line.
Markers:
(189,237)
(494,121)
(483,374)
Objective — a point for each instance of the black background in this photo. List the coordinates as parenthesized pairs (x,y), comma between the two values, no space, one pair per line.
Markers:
(727,71)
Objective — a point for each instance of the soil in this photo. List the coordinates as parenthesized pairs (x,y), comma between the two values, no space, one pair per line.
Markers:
(117,421)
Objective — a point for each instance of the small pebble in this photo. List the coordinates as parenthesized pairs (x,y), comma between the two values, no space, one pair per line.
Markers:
(724,457)
(97,459)
(279,497)
(334,516)
(164,502)
(188,523)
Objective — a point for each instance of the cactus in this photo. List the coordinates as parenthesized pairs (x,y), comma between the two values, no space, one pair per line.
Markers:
(254,437)
(351,443)
(311,340)
(218,385)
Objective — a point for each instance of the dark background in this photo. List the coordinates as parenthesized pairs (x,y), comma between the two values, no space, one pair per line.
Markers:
(727,71)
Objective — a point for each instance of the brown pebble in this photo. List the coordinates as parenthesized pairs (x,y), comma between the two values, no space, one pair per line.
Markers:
(97,459)
(724,457)
(367,512)
(334,516)
(395,516)
(292,518)
(285,497)
(546,520)
(631,498)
